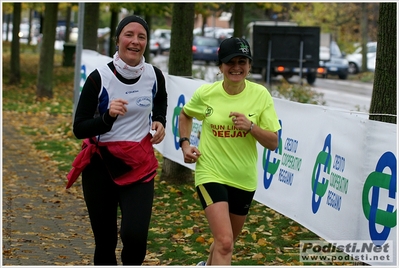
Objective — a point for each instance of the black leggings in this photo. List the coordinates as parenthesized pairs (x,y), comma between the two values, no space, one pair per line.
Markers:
(102,197)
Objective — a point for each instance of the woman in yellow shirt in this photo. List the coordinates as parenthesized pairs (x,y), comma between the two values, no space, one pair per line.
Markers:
(235,115)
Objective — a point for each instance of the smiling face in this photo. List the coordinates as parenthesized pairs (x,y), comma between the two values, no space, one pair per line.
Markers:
(236,69)
(132,42)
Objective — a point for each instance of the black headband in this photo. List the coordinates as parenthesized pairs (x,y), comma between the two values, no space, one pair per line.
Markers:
(129,19)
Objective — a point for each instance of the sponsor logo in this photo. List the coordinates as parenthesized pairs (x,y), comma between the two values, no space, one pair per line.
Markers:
(144,101)
(208,111)
(378,198)
(271,160)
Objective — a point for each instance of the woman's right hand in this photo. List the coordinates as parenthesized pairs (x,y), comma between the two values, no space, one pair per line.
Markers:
(190,153)
(117,107)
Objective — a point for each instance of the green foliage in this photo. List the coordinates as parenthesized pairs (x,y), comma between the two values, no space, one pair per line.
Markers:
(206,9)
(366,77)
(297,93)
(25,100)
(104,20)
(342,20)
(60,151)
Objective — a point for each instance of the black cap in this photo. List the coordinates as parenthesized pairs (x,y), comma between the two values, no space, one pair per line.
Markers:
(233,47)
(129,19)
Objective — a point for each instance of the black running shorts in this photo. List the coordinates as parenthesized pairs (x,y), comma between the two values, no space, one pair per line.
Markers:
(239,200)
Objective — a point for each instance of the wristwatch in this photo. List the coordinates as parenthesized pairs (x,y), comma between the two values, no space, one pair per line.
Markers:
(183,140)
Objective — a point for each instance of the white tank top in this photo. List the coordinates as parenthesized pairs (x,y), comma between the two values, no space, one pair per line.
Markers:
(136,123)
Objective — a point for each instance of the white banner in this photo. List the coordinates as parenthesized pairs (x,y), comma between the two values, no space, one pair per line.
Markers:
(334,171)
(90,61)
(336,174)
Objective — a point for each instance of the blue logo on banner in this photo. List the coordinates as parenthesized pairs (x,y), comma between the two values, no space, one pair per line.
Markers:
(372,210)
(323,162)
(175,120)
(83,76)
(271,167)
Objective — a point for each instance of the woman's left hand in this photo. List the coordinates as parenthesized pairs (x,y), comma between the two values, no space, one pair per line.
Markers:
(240,121)
(159,133)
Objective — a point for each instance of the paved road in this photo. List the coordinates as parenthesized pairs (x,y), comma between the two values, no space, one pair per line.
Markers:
(345,100)
(345,94)
(42,223)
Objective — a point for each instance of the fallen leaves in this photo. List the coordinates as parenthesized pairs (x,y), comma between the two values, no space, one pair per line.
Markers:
(258,256)
(262,242)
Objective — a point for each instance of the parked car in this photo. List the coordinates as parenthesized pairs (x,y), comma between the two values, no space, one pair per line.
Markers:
(160,41)
(333,62)
(355,59)
(205,49)
(216,32)
(224,33)
(24,31)
(208,31)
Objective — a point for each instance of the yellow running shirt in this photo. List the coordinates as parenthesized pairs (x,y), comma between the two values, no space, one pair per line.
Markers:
(228,155)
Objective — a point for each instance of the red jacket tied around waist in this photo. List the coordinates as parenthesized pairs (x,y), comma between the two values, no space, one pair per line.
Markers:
(139,156)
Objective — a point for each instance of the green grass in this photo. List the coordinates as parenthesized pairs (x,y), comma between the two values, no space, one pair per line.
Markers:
(179,234)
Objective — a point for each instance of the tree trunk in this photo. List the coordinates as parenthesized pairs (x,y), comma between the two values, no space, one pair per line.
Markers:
(30,26)
(46,62)
(204,24)
(383,100)
(15,74)
(363,27)
(8,21)
(114,24)
(68,23)
(181,58)
(92,13)
(238,19)
(147,52)
(180,63)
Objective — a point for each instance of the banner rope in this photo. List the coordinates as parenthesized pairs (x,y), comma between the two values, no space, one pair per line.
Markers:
(362,113)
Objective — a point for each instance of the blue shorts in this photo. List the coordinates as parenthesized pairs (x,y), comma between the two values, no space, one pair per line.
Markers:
(239,201)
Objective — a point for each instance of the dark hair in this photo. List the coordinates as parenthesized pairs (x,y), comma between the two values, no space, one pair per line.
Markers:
(220,62)
(126,21)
